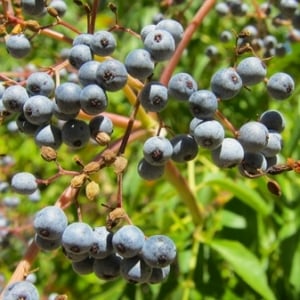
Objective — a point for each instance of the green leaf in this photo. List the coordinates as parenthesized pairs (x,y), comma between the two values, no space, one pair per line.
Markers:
(295,271)
(233,220)
(245,264)
(243,192)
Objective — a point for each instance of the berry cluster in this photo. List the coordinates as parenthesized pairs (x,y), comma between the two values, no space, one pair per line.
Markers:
(254,142)
(126,252)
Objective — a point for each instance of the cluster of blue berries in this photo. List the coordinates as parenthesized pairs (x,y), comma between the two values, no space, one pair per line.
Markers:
(18,45)
(50,113)
(280,13)
(258,140)
(39,116)
(125,252)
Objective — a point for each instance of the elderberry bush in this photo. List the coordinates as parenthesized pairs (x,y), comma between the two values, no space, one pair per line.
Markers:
(149,143)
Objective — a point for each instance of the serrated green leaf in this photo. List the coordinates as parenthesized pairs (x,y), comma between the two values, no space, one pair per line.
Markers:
(245,264)
(243,192)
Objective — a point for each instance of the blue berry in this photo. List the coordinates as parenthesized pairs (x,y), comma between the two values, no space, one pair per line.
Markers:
(38,109)
(80,54)
(100,124)
(75,133)
(270,41)
(226,36)
(271,161)
(274,145)
(288,7)
(111,75)
(128,240)
(14,98)
(154,96)
(60,6)
(173,27)
(18,45)
(252,164)
(253,136)
(252,31)
(139,64)
(31,277)
(87,72)
(107,268)
(146,29)
(93,99)
(229,154)
(185,148)
(211,51)
(78,238)
(102,244)
(273,120)
(11,201)
(4,186)
(40,83)
(63,115)
(181,86)
(35,196)
(281,49)
(67,97)
(160,44)
(252,70)
(157,150)
(21,290)
(222,8)
(83,267)
(209,134)
(33,7)
(203,104)
(48,135)
(148,171)
(159,274)
(50,222)
(194,123)
(75,257)
(103,43)
(25,126)
(45,244)
(24,183)
(12,126)
(83,39)
(135,270)
(158,251)
(280,86)
(226,83)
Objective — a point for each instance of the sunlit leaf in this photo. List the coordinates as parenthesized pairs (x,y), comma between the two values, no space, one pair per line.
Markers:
(245,264)
(243,192)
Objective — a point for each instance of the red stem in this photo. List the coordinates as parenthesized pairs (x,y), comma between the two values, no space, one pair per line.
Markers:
(91,26)
(192,27)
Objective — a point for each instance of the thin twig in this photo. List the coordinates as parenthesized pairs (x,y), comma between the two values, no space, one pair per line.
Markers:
(91,27)
(188,33)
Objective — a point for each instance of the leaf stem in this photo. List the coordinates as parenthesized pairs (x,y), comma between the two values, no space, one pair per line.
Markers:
(187,196)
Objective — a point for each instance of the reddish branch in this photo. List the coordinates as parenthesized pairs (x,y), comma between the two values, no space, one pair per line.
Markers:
(187,36)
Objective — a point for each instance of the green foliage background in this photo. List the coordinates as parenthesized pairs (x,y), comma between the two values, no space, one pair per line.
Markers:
(247,246)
